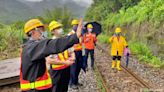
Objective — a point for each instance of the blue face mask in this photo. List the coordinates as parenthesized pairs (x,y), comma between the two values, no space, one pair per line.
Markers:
(75,27)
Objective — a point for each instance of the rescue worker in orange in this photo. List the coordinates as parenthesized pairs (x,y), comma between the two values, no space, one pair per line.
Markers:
(60,73)
(118,43)
(89,40)
(76,67)
(34,76)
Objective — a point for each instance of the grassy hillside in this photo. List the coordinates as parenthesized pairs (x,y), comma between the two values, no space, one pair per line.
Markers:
(142,22)
(10,41)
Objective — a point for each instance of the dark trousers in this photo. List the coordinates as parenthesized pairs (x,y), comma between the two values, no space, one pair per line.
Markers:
(60,79)
(91,52)
(45,90)
(127,60)
(75,68)
(116,57)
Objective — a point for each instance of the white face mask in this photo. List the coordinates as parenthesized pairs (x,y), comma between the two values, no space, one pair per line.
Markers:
(60,31)
(44,34)
(90,30)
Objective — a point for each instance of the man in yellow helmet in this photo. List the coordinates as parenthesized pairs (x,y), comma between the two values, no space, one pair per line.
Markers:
(76,67)
(74,24)
(33,72)
(118,44)
(60,73)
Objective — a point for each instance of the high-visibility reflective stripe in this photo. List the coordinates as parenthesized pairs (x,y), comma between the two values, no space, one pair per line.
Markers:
(37,84)
(55,67)
(43,82)
(62,56)
(78,47)
(66,54)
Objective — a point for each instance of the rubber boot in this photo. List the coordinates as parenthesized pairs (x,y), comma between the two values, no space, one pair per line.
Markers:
(118,65)
(113,64)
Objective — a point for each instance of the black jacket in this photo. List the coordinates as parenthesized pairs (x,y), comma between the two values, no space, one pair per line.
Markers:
(34,53)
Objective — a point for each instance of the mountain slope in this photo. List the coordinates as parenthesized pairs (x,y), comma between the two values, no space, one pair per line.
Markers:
(14,10)
(77,8)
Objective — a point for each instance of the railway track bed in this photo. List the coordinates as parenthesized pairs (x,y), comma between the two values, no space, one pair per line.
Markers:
(113,80)
(9,71)
(118,81)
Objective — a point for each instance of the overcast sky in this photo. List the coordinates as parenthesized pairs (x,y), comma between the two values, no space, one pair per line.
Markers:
(87,1)
(34,0)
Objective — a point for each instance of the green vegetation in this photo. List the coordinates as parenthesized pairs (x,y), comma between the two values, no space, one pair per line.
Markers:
(147,10)
(99,81)
(11,36)
(103,38)
(62,15)
(9,39)
(144,54)
(141,22)
(124,12)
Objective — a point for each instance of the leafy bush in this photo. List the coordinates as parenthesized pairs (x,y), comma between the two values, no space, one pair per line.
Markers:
(103,38)
(10,41)
(146,10)
(144,54)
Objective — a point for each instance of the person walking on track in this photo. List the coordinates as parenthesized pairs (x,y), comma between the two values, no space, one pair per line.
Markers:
(34,76)
(118,43)
(127,55)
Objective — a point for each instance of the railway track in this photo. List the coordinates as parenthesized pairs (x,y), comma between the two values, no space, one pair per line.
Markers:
(8,81)
(9,71)
(104,84)
(129,72)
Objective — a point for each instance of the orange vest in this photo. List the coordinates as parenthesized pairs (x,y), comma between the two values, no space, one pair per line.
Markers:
(63,57)
(89,41)
(77,47)
(43,82)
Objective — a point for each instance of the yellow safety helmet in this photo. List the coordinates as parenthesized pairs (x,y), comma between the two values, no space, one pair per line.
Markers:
(31,24)
(117,30)
(54,25)
(75,22)
(89,26)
